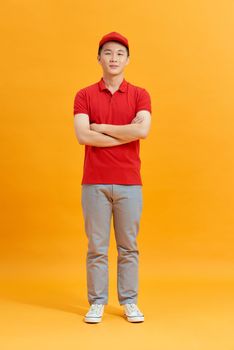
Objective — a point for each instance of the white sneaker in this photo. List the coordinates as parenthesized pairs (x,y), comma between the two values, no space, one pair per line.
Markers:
(94,315)
(132,312)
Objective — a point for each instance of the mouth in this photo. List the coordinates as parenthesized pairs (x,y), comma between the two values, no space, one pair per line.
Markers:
(113,66)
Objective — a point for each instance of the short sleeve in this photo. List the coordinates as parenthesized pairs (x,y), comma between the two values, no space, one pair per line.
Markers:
(143,101)
(80,103)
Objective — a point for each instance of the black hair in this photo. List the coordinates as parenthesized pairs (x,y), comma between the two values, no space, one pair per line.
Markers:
(100,48)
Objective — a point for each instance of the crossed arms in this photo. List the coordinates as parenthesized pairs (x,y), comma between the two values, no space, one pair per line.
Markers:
(106,135)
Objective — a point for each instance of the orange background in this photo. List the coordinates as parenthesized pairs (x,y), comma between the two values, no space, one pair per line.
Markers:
(182,52)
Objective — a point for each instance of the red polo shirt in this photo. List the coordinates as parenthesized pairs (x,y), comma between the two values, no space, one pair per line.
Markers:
(116,164)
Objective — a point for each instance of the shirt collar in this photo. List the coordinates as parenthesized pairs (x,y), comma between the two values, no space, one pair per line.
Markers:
(122,87)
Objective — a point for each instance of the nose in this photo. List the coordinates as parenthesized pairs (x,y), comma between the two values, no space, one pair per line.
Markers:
(113,57)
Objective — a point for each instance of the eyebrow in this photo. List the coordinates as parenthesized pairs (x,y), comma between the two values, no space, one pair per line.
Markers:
(117,50)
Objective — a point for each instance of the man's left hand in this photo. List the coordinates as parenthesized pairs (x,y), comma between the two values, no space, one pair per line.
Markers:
(96,127)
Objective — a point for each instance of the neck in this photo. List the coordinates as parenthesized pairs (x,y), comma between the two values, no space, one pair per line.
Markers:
(113,81)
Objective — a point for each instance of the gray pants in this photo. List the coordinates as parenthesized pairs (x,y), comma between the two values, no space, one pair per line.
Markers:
(98,203)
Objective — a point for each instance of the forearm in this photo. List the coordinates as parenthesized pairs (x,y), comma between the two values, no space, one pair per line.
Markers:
(94,138)
(128,132)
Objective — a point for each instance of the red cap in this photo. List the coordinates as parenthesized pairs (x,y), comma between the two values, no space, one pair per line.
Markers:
(114,36)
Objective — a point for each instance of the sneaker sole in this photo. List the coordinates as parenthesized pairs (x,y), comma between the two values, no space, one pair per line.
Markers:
(135,319)
(93,319)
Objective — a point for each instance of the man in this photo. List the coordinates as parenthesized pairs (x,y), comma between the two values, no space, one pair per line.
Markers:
(110,117)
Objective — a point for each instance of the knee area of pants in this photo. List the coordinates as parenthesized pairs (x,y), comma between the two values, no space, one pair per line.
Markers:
(127,251)
(97,252)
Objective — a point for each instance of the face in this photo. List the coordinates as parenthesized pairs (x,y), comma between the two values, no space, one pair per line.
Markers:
(113,58)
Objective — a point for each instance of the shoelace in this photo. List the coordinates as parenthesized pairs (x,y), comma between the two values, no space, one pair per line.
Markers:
(134,308)
(96,307)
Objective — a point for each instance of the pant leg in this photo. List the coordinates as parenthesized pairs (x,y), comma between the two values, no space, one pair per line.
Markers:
(127,209)
(97,211)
